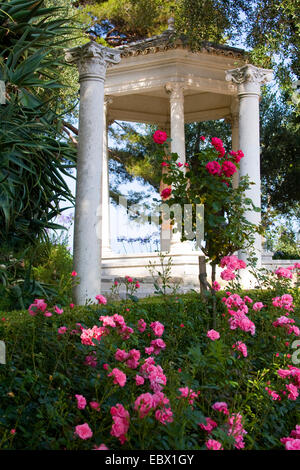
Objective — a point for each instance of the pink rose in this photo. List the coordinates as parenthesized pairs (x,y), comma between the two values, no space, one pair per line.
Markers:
(216,286)
(101,447)
(119,377)
(58,310)
(258,306)
(38,304)
(62,330)
(83,431)
(81,402)
(121,419)
(212,444)
(101,299)
(139,380)
(209,426)
(284,272)
(227,275)
(221,406)
(142,325)
(157,327)
(293,444)
(47,314)
(213,335)
(217,143)
(95,405)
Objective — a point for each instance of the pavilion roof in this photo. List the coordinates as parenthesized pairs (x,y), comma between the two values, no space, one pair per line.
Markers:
(169,40)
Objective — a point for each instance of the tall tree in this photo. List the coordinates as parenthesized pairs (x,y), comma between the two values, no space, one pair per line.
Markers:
(273,32)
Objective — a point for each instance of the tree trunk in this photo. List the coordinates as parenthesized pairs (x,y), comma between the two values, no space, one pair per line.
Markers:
(214,302)
(202,274)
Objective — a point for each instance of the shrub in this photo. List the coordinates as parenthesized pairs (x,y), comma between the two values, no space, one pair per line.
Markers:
(50,375)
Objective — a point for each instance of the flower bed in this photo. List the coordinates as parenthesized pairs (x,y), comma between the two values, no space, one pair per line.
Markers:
(153,374)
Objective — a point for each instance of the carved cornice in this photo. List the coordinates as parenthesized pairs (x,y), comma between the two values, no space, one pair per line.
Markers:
(92,60)
(249,74)
(170,40)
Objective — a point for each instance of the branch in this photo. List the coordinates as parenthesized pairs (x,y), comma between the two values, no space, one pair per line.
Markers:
(70,127)
(70,135)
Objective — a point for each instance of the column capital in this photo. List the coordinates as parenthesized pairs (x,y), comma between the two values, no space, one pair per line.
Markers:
(175,90)
(92,60)
(249,78)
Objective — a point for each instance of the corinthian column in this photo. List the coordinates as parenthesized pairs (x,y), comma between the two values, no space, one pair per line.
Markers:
(249,80)
(175,91)
(92,60)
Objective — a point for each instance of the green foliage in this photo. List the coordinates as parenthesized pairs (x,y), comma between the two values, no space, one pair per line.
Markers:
(34,153)
(18,285)
(122,21)
(41,271)
(161,273)
(273,31)
(210,20)
(44,371)
(280,147)
(281,239)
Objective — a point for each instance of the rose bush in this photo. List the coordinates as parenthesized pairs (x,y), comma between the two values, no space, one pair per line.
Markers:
(208,179)
(154,374)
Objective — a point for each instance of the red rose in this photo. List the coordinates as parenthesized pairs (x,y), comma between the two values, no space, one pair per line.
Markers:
(239,156)
(228,168)
(166,193)
(160,137)
(214,168)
